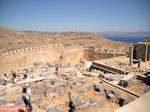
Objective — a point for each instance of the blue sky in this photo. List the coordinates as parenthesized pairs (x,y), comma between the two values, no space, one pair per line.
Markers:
(76,15)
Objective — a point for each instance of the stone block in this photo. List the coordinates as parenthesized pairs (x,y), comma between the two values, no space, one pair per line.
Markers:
(10,52)
(30,48)
(98,87)
(78,102)
(2,102)
(60,90)
(26,49)
(17,101)
(14,52)
(53,109)
(22,50)
(3,54)
(18,50)
(86,89)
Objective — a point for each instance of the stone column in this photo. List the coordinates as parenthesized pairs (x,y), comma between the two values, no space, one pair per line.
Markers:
(139,63)
(131,54)
(146,49)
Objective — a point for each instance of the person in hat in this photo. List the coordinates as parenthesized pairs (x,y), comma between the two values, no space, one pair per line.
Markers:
(26,97)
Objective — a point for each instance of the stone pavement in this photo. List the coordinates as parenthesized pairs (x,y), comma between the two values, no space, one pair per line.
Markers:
(142,104)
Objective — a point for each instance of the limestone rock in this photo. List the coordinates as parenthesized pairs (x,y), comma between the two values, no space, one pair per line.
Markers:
(86,89)
(98,87)
(17,101)
(78,74)
(53,109)
(79,102)
(98,101)
(2,102)
(60,90)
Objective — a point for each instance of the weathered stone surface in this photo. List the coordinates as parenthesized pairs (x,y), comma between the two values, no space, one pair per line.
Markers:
(2,102)
(86,89)
(98,87)
(36,101)
(60,90)
(127,99)
(17,101)
(79,102)
(74,95)
(60,83)
(99,93)
(41,89)
(73,84)
(113,91)
(79,74)
(43,107)
(99,101)
(53,109)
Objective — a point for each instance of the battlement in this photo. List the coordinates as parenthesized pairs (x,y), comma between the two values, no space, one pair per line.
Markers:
(36,48)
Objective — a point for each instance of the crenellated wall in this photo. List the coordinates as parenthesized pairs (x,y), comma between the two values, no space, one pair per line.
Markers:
(20,58)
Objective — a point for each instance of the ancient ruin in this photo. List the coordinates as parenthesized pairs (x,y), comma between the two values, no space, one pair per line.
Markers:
(76,78)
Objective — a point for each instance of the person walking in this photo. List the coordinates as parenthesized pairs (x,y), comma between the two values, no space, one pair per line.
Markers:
(5,79)
(26,97)
(14,77)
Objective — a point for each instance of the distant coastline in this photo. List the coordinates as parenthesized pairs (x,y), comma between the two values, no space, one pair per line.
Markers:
(128,39)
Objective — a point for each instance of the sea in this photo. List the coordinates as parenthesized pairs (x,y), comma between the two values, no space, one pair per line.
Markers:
(133,40)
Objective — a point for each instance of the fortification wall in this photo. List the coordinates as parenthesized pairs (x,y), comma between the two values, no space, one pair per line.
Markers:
(21,58)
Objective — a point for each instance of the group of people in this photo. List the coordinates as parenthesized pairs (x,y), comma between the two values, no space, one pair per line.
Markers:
(14,77)
(25,91)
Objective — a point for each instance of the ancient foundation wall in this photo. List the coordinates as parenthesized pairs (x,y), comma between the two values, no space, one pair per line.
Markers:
(140,52)
(92,55)
(21,58)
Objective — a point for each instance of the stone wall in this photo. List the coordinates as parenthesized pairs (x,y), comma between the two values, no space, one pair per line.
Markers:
(92,55)
(140,52)
(20,58)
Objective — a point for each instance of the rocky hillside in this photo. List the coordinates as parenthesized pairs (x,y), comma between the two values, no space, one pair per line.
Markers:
(11,39)
(8,32)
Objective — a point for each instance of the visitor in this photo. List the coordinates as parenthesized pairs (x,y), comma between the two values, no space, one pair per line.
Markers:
(26,97)
(5,79)
(14,77)
(27,73)
(56,69)
(25,76)
(47,66)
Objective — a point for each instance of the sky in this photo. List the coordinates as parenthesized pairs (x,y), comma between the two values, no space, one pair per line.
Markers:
(76,15)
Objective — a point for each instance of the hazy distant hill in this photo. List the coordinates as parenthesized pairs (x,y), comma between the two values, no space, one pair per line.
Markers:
(126,34)
(11,39)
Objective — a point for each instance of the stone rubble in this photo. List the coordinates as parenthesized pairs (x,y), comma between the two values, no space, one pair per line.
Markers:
(73,89)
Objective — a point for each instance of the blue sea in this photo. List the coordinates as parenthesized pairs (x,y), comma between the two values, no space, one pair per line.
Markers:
(128,39)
